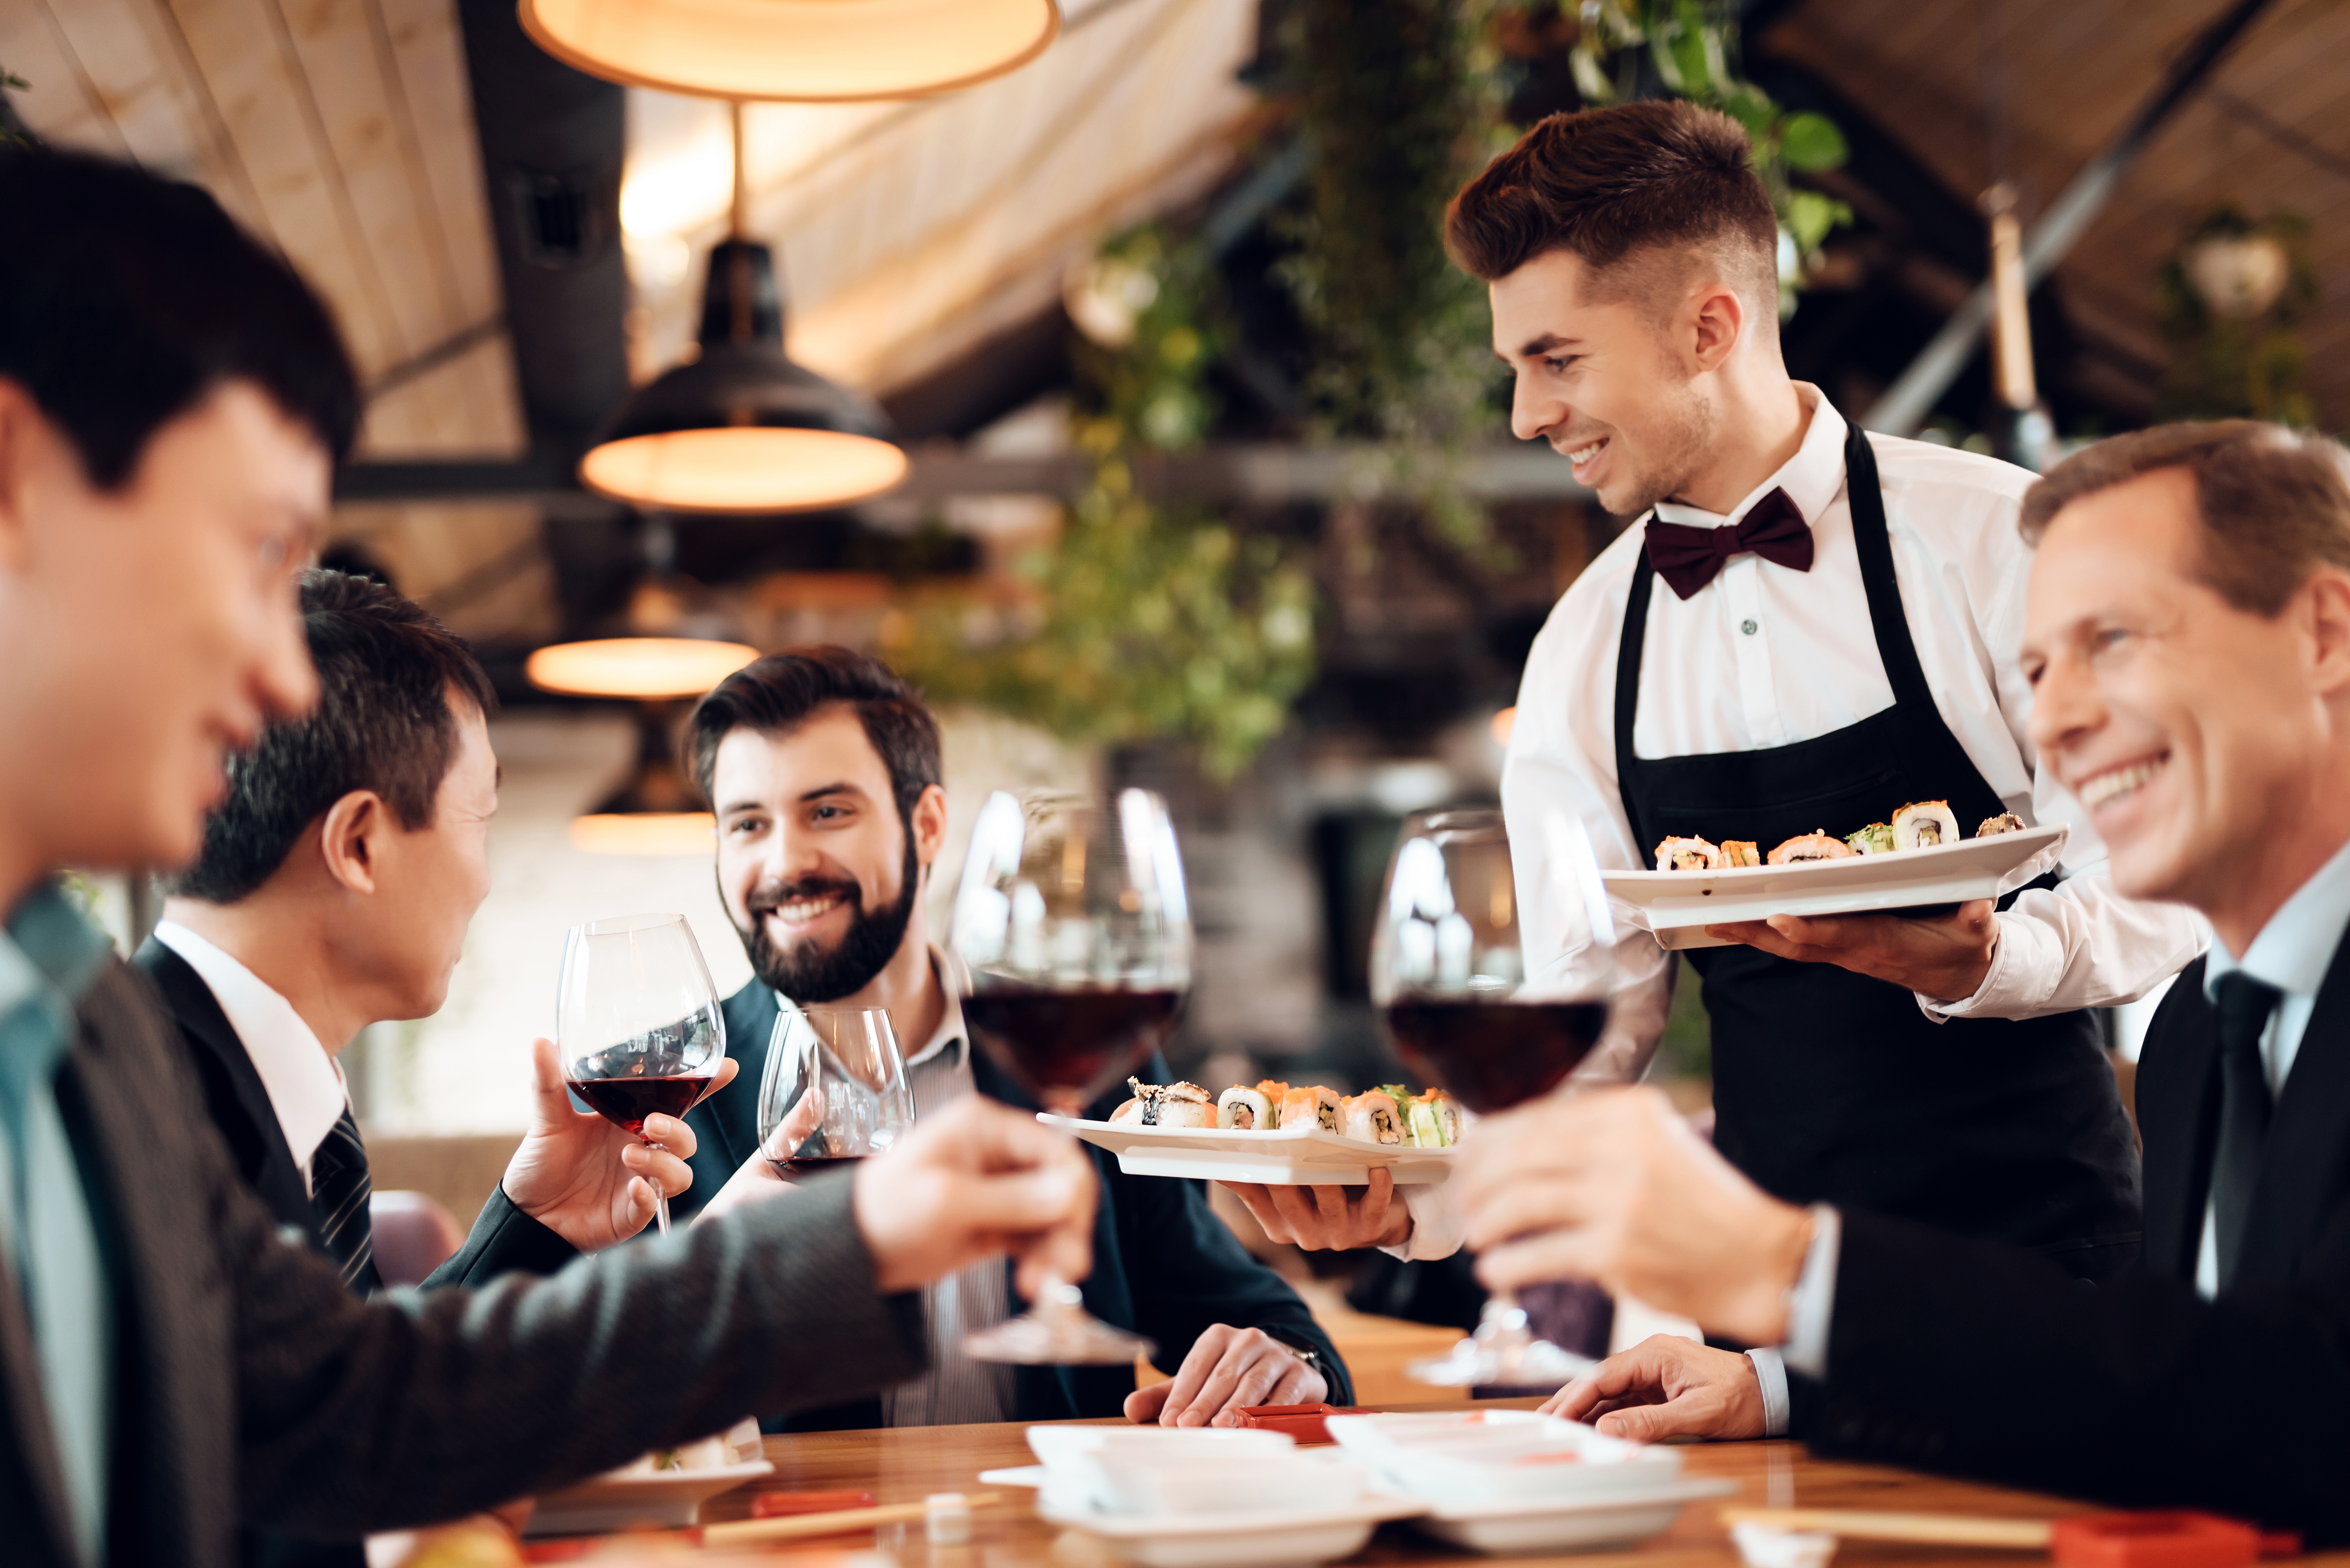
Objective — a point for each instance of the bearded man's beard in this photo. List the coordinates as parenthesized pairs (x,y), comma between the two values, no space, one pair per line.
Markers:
(806,972)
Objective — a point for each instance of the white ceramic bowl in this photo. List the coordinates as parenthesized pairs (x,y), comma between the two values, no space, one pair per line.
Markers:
(1504,1460)
(1141,1481)
(1078,1461)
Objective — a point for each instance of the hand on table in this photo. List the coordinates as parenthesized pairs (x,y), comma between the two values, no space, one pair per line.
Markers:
(1666,1386)
(1329,1218)
(757,1178)
(586,1180)
(1945,959)
(972,1182)
(1611,1185)
(1229,1369)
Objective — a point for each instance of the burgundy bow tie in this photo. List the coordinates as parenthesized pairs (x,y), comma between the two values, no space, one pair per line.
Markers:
(1689,558)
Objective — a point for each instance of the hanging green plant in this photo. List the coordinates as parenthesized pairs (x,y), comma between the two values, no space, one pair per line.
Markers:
(1142,620)
(1692,46)
(2231,298)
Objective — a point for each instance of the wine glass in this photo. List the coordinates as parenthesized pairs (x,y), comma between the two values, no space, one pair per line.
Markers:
(834,1089)
(637,1023)
(1071,948)
(1470,1006)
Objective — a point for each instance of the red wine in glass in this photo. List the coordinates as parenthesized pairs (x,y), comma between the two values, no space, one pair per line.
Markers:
(1493,1055)
(816,1165)
(1068,1046)
(629,1101)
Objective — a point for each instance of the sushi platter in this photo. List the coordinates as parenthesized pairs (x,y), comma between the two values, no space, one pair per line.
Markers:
(1290,1157)
(1919,861)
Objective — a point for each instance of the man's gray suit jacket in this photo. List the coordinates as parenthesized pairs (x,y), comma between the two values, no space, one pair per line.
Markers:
(249,1381)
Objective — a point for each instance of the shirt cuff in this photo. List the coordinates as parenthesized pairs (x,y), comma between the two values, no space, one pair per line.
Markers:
(2014,986)
(1772,1374)
(1811,1305)
(1437,1227)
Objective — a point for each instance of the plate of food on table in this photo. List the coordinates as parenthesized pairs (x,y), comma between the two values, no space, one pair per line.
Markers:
(1918,858)
(1281,1134)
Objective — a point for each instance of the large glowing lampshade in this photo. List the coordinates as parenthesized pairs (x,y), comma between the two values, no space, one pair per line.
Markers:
(650,668)
(803,51)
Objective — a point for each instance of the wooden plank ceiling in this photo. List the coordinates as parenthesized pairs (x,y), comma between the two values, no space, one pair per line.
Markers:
(2270,129)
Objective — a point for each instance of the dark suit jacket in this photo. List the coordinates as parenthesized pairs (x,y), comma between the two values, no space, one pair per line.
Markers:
(1964,1356)
(249,1381)
(1164,1265)
(504,1241)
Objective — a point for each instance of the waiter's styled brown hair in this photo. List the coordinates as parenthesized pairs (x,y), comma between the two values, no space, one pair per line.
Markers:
(2274,503)
(1615,185)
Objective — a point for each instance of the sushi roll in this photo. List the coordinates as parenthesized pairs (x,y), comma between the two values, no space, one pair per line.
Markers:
(1813,846)
(1739,851)
(1924,824)
(1185,1105)
(1243,1110)
(1143,1109)
(1434,1120)
(1876,838)
(2005,822)
(1687,855)
(1370,1116)
(1128,1115)
(1310,1105)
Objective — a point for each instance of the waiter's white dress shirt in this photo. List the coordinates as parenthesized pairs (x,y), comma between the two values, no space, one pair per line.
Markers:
(1766,656)
(956,1390)
(304,1085)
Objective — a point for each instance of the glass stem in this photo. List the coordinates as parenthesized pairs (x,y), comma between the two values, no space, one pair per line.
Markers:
(660,1200)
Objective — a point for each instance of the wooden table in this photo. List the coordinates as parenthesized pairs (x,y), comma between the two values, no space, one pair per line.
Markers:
(906,1464)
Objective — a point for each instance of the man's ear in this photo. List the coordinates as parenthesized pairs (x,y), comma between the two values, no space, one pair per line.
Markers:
(1720,317)
(351,838)
(2326,607)
(930,823)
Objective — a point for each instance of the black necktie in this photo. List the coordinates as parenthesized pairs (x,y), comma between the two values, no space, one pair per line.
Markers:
(2245,1005)
(339,1191)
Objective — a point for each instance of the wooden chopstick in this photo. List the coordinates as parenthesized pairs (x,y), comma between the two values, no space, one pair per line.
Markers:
(1938,1528)
(797,1526)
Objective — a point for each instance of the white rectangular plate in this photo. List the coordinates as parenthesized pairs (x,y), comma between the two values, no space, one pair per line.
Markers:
(668,1501)
(1579,1523)
(1678,905)
(1286,1538)
(1295,1157)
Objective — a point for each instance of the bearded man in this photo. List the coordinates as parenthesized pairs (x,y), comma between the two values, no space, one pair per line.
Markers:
(823,768)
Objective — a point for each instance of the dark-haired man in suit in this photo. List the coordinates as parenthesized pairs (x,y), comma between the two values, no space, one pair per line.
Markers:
(333,891)
(2189,643)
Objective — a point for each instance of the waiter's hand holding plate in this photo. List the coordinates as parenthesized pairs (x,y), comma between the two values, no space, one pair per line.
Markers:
(1944,957)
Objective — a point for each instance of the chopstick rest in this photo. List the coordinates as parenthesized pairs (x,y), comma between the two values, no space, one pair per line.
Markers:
(748,1531)
(2149,1539)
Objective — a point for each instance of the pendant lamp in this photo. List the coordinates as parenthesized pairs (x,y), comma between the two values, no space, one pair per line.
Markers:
(740,427)
(800,51)
(655,811)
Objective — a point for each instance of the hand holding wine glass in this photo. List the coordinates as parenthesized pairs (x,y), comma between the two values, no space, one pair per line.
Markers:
(1469,1008)
(588,1181)
(637,1023)
(834,1090)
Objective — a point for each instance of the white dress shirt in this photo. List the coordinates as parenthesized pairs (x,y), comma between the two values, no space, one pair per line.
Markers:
(1766,656)
(2292,953)
(304,1085)
(956,1390)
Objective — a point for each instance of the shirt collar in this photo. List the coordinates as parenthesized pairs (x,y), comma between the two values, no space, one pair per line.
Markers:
(304,1085)
(48,946)
(1812,478)
(48,956)
(2296,948)
(948,1033)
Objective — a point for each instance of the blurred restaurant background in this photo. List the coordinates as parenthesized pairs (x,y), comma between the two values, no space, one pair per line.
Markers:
(1206,479)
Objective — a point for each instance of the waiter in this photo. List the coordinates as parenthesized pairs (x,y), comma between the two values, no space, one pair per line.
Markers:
(1807,629)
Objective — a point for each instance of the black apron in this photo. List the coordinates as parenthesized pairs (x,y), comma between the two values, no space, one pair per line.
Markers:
(1831,1086)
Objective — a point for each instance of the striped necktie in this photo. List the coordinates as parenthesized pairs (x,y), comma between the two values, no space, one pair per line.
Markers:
(339,1192)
